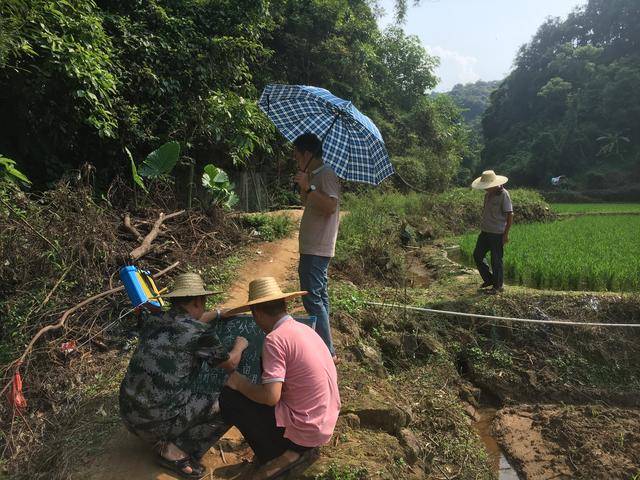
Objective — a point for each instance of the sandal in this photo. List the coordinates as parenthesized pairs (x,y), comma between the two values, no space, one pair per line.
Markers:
(299,465)
(178,466)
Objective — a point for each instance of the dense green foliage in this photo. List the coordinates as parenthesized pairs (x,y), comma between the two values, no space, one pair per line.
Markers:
(472,99)
(596,207)
(571,105)
(81,81)
(580,253)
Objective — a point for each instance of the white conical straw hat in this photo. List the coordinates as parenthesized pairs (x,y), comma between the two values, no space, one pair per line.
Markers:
(263,290)
(188,285)
(488,179)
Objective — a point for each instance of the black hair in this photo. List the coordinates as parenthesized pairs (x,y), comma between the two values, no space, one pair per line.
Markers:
(309,142)
(273,308)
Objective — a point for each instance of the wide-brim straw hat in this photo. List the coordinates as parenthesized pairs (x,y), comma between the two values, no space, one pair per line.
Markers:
(263,290)
(188,285)
(489,179)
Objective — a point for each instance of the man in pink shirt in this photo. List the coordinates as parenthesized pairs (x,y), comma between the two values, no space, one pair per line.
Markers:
(295,408)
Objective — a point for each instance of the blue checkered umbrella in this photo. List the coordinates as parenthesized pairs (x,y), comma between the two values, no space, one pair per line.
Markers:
(351,143)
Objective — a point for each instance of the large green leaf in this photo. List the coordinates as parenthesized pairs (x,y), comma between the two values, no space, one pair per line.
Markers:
(214,175)
(161,161)
(217,182)
(12,172)
(134,171)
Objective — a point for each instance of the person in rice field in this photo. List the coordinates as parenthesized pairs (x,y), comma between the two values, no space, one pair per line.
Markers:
(159,401)
(497,216)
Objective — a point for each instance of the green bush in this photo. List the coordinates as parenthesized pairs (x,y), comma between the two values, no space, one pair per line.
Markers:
(269,227)
(460,209)
(369,237)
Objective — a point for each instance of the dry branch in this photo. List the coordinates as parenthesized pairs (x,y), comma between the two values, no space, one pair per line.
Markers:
(130,228)
(60,323)
(145,246)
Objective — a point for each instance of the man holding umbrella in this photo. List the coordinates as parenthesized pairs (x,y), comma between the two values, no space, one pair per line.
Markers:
(320,193)
(331,139)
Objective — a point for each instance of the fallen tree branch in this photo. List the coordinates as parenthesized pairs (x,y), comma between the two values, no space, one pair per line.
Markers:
(130,228)
(145,246)
(60,323)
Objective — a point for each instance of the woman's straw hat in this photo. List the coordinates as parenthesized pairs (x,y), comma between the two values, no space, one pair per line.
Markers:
(188,285)
(263,290)
(488,179)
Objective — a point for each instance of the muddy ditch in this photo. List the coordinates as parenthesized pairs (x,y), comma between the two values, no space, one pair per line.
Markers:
(546,401)
(566,398)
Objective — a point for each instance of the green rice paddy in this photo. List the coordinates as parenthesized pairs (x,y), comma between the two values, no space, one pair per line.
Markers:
(596,208)
(578,253)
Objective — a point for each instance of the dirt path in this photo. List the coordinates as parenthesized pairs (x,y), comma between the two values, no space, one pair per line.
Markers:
(125,457)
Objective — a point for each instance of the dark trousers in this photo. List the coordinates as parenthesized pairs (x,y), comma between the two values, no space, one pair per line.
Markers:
(490,242)
(257,422)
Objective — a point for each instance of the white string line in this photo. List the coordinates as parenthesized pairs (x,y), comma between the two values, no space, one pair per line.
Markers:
(512,319)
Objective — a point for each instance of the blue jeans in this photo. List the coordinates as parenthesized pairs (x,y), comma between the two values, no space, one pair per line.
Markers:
(313,278)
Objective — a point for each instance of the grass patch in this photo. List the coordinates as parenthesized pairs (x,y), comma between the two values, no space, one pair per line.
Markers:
(369,237)
(335,472)
(584,253)
(596,208)
(268,227)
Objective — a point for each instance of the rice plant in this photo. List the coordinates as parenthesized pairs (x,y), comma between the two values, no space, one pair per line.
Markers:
(579,253)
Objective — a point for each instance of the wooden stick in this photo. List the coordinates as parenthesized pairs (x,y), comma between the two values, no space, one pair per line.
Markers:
(145,246)
(129,226)
(60,323)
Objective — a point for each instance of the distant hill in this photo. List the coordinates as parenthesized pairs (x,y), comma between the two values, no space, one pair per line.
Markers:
(473,99)
(571,104)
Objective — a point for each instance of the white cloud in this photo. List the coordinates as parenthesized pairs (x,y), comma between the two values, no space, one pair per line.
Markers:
(454,67)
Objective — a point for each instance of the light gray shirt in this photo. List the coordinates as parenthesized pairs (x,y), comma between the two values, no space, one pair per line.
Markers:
(318,232)
(494,213)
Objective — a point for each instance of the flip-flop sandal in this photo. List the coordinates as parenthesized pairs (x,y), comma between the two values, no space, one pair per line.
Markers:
(178,466)
(302,463)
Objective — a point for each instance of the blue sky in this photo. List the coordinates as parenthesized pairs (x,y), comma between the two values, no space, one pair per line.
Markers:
(476,39)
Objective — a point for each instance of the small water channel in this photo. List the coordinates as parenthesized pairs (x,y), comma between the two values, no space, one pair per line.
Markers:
(499,462)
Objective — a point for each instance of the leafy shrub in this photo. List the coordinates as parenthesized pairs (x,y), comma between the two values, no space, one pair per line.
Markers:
(427,170)
(460,209)
(269,227)
(9,172)
(217,183)
(156,165)
(369,236)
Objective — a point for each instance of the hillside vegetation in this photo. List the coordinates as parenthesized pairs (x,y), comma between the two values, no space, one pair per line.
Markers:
(571,105)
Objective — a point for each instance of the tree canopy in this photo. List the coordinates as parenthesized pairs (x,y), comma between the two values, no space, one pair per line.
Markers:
(87,80)
(571,105)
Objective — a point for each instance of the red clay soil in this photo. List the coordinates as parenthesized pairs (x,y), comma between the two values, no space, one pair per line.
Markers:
(570,442)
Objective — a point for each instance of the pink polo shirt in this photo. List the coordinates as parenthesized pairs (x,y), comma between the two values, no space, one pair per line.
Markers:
(308,409)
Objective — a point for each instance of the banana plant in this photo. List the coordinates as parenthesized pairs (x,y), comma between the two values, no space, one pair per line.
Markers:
(158,163)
